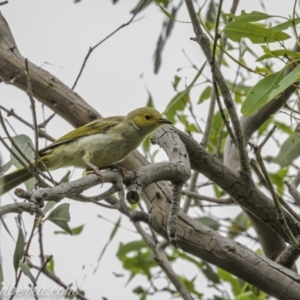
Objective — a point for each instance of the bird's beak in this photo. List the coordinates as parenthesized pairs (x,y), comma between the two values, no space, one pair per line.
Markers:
(164,121)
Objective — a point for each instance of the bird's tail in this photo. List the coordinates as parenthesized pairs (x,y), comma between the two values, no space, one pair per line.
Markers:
(13,179)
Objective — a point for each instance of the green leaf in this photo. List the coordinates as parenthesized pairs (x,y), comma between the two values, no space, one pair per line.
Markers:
(150,102)
(264,126)
(283,127)
(255,33)
(289,151)
(166,12)
(190,286)
(6,166)
(74,231)
(240,224)
(259,95)
(188,127)
(1,277)
(205,94)
(6,227)
(176,104)
(297,130)
(234,282)
(26,270)
(279,53)
(176,82)
(278,179)
(211,13)
(138,7)
(209,222)
(25,144)
(286,25)
(60,216)
(50,264)
(253,16)
(249,295)
(179,101)
(49,205)
(137,258)
(288,80)
(210,273)
(65,178)
(60,213)
(19,250)
(134,246)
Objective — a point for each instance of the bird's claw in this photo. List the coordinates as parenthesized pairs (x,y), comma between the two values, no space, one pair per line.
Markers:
(98,173)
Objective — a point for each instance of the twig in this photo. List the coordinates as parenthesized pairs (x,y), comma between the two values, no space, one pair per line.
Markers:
(192,186)
(293,192)
(215,85)
(27,166)
(211,109)
(293,188)
(25,257)
(279,212)
(204,43)
(42,133)
(206,198)
(35,126)
(59,282)
(45,122)
(217,34)
(3,3)
(107,37)
(40,232)
(264,183)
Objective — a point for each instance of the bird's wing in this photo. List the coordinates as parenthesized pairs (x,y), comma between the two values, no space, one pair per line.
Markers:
(94,127)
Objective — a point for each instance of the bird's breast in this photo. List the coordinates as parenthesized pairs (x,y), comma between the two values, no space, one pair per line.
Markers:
(104,150)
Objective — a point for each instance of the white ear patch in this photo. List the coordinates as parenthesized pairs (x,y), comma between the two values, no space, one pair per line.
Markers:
(134,125)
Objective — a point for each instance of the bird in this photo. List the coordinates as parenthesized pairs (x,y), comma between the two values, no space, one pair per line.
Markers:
(96,145)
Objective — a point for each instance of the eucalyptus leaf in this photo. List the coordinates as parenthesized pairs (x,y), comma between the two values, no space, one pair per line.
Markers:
(234,282)
(179,101)
(26,270)
(75,231)
(49,205)
(286,25)
(19,250)
(60,216)
(1,277)
(209,222)
(259,95)
(253,16)
(289,151)
(6,227)
(257,34)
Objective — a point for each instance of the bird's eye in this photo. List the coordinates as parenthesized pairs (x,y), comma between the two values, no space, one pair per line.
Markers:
(147,117)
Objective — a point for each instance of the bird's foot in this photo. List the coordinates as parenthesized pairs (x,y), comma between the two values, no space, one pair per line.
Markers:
(97,172)
(119,168)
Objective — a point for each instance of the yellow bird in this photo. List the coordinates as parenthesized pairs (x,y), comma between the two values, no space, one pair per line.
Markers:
(96,145)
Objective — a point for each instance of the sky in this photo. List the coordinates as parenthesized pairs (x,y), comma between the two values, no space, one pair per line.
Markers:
(57,35)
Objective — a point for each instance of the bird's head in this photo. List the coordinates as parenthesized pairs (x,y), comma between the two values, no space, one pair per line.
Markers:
(146,119)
